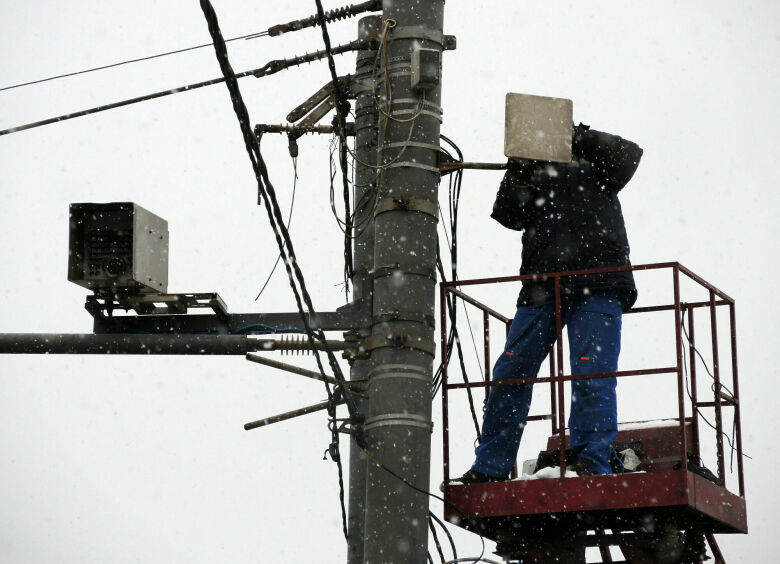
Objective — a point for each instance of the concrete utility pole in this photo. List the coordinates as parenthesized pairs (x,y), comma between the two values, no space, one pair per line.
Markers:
(363,253)
(398,425)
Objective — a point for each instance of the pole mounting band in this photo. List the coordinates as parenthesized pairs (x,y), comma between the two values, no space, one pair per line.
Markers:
(395,419)
(417,144)
(402,340)
(396,371)
(395,269)
(421,205)
(395,315)
(411,164)
(447,42)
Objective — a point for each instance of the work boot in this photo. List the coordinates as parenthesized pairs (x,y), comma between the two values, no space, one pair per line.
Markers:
(582,467)
(474,477)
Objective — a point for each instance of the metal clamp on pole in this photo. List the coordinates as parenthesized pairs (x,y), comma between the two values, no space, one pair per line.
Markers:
(421,205)
(447,42)
(395,315)
(396,371)
(403,419)
(395,270)
(403,340)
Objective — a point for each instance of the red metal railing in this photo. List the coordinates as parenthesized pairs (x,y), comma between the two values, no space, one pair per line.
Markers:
(556,379)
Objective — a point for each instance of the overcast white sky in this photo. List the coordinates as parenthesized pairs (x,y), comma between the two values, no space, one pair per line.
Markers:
(109,459)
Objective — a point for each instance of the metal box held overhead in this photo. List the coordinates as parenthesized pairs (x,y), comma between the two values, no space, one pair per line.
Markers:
(118,247)
(538,127)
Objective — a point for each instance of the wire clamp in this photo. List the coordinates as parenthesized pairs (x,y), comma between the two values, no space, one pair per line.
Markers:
(447,42)
(396,419)
(401,340)
(395,270)
(421,205)
(395,315)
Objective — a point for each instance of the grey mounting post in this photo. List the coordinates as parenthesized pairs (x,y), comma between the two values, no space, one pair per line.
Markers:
(363,253)
(398,424)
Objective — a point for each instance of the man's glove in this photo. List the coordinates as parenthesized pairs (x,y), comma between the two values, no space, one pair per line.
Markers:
(578,131)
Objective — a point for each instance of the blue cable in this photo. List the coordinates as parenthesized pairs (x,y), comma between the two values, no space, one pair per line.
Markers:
(620,460)
(449,536)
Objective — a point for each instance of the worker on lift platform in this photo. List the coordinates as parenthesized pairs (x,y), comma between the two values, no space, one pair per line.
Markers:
(571,219)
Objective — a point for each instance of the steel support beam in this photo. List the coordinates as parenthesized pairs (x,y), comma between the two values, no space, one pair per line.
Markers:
(398,426)
(87,343)
(345,320)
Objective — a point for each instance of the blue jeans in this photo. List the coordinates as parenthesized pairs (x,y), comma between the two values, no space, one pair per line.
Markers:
(594,323)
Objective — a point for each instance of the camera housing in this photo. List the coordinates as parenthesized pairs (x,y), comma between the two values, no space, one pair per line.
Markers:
(118,248)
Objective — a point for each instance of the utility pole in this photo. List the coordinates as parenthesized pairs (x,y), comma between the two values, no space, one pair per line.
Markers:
(398,426)
(363,252)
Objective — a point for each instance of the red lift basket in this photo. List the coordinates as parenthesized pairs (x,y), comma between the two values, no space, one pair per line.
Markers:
(664,512)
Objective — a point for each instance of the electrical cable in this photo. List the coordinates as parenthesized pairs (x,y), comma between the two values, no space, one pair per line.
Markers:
(729,440)
(289,220)
(129,61)
(451,311)
(447,531)
(271,67)
(435,540)
(707,368)
(429,494)
(453,336)
(284,243)
(342,108)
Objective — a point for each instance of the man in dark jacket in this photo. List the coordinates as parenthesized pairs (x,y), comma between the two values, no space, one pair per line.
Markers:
(571,219)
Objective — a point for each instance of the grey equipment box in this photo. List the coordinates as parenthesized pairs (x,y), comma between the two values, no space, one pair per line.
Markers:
(538,127)
(118,247)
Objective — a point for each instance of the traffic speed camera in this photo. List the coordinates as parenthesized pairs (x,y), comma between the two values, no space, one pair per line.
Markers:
(118,247)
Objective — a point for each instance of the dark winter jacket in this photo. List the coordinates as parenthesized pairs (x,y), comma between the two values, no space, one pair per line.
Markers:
(570,215)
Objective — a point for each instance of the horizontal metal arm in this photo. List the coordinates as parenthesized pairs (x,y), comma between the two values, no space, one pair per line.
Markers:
(290,415)
(235,323)
(290,368)
(75,343)
(452,166)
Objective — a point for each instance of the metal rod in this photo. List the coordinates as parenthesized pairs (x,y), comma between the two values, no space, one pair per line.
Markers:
(551,275)
(76,343)
(124,343)
(716,375)
(704,283)
(242,323)
(513,473)
(553,402)
(669,307)
(569,378)
(694,390)
(457,165)
(486,342)
(737,407)
(290,368)
(480,305)
(559,362)
(680,383)
(289,415)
